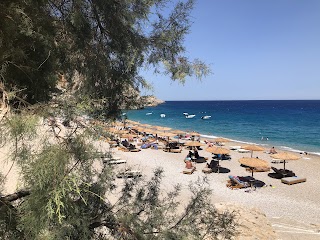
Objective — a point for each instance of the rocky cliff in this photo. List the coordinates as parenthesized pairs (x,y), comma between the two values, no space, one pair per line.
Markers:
(150,101)
(134,100)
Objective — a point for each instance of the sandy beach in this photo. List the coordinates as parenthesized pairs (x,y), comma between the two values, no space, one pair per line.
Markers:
(293,211)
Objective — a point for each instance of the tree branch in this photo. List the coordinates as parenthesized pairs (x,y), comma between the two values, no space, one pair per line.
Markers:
(15,196)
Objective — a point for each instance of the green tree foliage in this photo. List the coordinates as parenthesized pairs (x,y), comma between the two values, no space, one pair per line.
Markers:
(64,197)
(100,46)
(27,61)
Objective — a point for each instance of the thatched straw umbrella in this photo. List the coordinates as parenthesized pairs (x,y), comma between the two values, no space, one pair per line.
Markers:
(253,163)
(253,148)
(285,156)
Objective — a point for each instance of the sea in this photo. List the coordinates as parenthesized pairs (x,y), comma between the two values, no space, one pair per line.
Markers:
(285,124)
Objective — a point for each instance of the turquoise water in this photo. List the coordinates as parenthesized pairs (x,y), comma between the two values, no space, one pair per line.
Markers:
(293,125)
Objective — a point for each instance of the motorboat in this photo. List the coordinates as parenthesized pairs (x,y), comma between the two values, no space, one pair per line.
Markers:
(162,115)
(190,116)
(148,113)
(206,117)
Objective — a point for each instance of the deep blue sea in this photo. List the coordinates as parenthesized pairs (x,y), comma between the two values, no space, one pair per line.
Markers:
(291,124)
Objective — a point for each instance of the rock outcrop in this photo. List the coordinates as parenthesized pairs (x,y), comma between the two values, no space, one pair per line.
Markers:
(150,101)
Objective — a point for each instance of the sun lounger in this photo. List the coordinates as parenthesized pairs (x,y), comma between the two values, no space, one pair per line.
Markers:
(293,180)
(135,150)
(235,182)
(213,166)
(200,159)
(235,147)
(175,150)
(207,170)
(243,150)
(277,161)
(258,169)
(111,158)
(124,149)
(129,174)
(188,170)
(114,161)
(281,173)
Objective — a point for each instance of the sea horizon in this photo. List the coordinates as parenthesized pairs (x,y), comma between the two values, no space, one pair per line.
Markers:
(287,124)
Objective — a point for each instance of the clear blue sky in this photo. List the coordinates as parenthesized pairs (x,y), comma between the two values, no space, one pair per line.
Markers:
(257,49)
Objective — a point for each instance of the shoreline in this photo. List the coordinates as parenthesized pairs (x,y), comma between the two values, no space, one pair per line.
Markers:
(281,148)
(265,143)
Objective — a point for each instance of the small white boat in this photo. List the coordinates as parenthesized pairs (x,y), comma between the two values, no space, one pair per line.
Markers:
(190,116)
(206,117)
(148,113)
(162,115)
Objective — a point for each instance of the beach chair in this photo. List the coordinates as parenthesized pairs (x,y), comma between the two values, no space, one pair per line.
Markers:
(207,170)
(200,159)
(175,150)
(134,150)
(129,174)
(243,150)
(282,173)
(234,182)
(113,160)
(188,170)
(293,180)
(212,167)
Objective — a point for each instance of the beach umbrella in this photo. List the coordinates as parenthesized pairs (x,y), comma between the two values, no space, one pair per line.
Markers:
(194,144)
(285,156)
(253,148)
(217,150)
(127,135)
(166,134)
(254,163)
(221,140)
(178,132)
(116,131)
(122,132)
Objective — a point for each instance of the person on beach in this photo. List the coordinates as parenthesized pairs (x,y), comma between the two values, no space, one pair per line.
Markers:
(189,164)
(272,150)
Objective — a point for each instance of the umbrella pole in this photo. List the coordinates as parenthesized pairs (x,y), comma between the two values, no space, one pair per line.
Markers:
(251,153)
(284,165)
(251,172)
